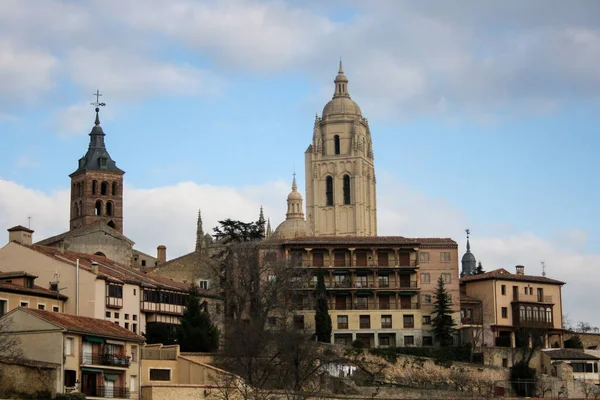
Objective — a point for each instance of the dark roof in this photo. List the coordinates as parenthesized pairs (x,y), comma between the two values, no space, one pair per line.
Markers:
(564,354)
(85,325)
(94,227)
(29,363)
(16,274)
(19,228)
(369,240)
(35,290)
(468,299)
(502,274)
(96,152)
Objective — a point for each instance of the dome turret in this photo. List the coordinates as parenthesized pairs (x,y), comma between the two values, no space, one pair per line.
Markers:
(294,224)
(341,103)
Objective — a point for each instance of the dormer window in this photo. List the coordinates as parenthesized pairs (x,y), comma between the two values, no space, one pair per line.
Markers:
(102,162)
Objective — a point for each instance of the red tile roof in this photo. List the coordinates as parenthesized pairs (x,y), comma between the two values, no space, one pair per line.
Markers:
(369,240)
(35,291)
(502,274)
(85,325)
(16,274)
(19,228)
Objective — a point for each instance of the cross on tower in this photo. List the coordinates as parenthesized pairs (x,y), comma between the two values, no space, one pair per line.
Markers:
(468,231)
(97,102)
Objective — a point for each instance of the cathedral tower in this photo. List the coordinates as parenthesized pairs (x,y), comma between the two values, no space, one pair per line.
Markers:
(97,185)
(340,173)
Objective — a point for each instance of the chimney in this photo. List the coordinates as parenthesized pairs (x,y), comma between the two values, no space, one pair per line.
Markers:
(520,270)
(94,268)
(161,254)
(21,235)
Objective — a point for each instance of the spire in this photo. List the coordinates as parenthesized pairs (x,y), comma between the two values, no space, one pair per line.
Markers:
(294,200)
(199,232)
(269,229)
(294,186)
(468,244)
(261,222)
(469,264)
(341,83)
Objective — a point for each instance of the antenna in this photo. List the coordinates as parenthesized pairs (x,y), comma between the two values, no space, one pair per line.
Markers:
(543,268)
(29,222)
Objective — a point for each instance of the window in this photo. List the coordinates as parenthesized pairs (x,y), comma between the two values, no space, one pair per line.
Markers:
(133,384)
(126,316)
(160,374)
(114,188)
(342,322)
(386,322)
(548,315)
(115,291)
(94,187)
(578,367)
(426,320)
(24,304)
(143,263)
(505,362)
(427,340)
(365,322)
(126,325)
(134,316)
(446,277)
(409,340)
(336,144)
(503,290)
(425,277)
(426,299)
(525,290)
(299,321)
(408,321)
(346,189)
(69,346)
(70,378)
(108,314)
(384,341)
(134,291)
(203,284)
(449,299)
(55,308)
(329,191)
(134,328)
(98,208)
(116,322)
(134,351)
(3,307)
(117,315)
(424,257)
(41,306)
(504,312)
(109,208)
(445,256)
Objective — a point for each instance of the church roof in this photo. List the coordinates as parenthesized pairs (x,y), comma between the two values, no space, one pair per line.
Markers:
(97,157)
(96,226)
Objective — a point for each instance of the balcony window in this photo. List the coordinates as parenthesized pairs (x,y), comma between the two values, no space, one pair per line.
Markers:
(362,303)
(365,322)
(342,322)
(362,281)
(386,322)
(384,281)
(408,321)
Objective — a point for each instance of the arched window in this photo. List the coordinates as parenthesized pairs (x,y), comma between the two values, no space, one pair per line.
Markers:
(80,208)
(529,316)
(99,253)
(109,208)
(346,189)
(98,208)
(535,314)
(81,188)
(114,188)
(522,315)
(104,188)
(94,187)
(76,209)
(549,315)
(336,144)
(329,191)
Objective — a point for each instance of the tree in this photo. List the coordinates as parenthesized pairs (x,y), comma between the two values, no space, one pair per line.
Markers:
(232,231)
(196,332)
(479,269)
(322,317)
(574,343)
(160,332)
(10,345)
(522,376)
(442,323)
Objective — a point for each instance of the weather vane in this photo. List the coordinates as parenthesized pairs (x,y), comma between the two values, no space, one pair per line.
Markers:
(97,102)
(468,232)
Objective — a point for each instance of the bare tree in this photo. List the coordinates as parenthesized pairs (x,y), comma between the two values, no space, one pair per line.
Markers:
(10,345)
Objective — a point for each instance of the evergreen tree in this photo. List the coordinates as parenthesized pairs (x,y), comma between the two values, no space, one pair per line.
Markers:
(479,269)
(322,317)
(442,323)
(196,332)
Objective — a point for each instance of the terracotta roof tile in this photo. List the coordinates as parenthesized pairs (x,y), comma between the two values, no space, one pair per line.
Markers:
(19,228)
(86,325)
(16,274)
(503,274)
(35,290)
(564,354)
(367,240)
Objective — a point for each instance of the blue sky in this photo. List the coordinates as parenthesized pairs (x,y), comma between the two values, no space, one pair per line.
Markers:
(483,116)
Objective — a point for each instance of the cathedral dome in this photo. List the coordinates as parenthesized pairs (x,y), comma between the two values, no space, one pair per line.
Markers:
(294,195)
(468,257)
(341,105)
(292,228)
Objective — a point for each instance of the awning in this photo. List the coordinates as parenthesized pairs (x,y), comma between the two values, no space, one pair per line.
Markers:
(364,292)
(405,272)
(340,271)
(86,369)
(386,293)
(93,339)
(115,342)
(407,293)
(110,377)
(341,293)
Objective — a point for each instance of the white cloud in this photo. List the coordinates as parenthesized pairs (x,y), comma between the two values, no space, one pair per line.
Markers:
(167,215)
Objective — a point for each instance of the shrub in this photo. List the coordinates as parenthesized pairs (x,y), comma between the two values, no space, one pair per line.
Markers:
(70,396)
(523,379)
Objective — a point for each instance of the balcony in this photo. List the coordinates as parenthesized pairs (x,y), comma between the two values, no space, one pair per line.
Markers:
(114,302)
(112,360)
(112,392)
(342,325)
(532,298)
(470,321)
(408,285)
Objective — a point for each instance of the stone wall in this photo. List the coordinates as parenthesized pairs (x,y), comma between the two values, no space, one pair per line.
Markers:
(22,380)
(589,340)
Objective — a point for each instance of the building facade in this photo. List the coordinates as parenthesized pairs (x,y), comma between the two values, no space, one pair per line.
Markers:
(18,289)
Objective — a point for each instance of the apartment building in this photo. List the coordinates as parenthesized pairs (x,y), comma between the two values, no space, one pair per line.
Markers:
(99,287)
(512,301)
(18,289)
(379,288)
(96,357)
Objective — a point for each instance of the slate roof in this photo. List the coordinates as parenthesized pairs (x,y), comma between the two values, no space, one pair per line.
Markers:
(84,325)
(369,240)
(502,274)
(564,354)
(96,151)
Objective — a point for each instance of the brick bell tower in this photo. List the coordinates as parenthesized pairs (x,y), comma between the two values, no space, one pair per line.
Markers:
(97,184)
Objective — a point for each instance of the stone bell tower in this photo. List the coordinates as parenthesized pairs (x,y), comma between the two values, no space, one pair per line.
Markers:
(340,176)
(97,184)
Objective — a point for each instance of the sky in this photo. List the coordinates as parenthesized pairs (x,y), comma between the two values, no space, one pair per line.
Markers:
(484,115)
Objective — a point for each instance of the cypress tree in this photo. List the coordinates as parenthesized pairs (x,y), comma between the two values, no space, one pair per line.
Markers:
(322,317)
(196,332)
(442,323)
(479,269)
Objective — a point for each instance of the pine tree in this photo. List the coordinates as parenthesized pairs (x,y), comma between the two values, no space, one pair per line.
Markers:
(322,317)
(443,324)
(479,269)
(196,332)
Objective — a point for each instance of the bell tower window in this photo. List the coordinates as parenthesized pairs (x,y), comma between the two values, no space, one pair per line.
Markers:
(336,144)
(329,191)
(94,187)
(109,208)
(346,189)
(98,208)
(114,188)
(104,188)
